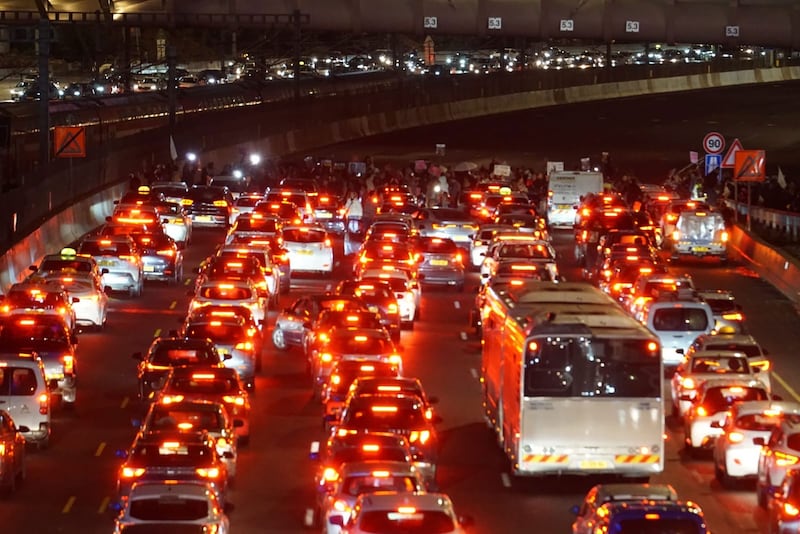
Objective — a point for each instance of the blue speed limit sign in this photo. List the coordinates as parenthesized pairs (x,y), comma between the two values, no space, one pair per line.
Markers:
(713,143)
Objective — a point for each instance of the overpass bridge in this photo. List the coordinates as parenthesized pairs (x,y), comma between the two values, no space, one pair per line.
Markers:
(772,23)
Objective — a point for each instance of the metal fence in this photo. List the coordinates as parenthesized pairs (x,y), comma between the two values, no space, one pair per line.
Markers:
(773,225)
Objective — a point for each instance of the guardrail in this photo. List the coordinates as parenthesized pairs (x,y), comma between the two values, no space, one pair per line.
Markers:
(23,209)
(772,225)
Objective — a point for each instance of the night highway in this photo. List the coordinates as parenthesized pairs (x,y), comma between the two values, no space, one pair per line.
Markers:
(70,485)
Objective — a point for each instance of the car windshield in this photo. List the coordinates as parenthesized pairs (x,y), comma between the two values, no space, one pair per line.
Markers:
(105,248)
(249,224)
(718,399)
(373,482)
(524,250)
(680,320)
(166,417)
(720,364)
(359,344)
(65,266)
(205,195)
(166,355)
(417,522)
(303,235)
(377,414)
(218,332)
(169,508)
(226,292)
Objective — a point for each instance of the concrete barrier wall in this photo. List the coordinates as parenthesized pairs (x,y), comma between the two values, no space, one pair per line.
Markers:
(777,268)
(60,230)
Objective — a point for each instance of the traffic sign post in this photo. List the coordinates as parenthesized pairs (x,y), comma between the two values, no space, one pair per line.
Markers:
(749,166)
(713,143)
(69,141)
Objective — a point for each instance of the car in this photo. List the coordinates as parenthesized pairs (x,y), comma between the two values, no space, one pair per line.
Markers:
(784,508)
(230,292)
(49,337)
(309,249)
(301,199)
(241,264)
(480,242)
(379,254)
(24,394)
(319,332)
(651,285)
(671,213)
(379,298)
(645,517)
(677,319)
(170,504)
(329,213)
(728,314)
(89,300)
(702,421)
(209,206)
(174,413)
(232,337)
(406,287)
(391,385)
(167,352)
(757,357)
(515,271)
(410,513)
(176,223)
(351,343)
(161,256)
(121,261)
(735,453)
(440,262)
(586,514)
(345,447)
(287,212)
(779,453)
(67,261)
(161,456)
(213,384)
(246,204)
(404,415)
(450,223)
(707,365)
(360,478)
(171,191)
(520,247)
(236,183)
(255,226)
(293,323)
(338,382)
(12,452)
(40,297)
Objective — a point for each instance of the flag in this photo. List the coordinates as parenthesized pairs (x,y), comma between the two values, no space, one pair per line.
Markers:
(173,152)
(781,179)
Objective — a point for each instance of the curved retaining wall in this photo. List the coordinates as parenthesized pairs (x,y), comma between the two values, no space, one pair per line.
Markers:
(779,269)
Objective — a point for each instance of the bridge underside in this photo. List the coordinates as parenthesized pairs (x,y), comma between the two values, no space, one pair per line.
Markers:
(774,23)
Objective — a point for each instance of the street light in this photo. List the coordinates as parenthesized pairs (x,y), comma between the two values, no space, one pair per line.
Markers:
(191,156)
(255,159)
(237,174)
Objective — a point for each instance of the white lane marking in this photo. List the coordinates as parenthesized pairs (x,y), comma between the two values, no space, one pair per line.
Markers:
(474,373)
(506,480)
(308,520)
(457,304)
(786,386)
(463,336)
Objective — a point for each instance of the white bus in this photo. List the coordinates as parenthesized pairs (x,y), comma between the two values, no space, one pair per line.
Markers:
(571,383)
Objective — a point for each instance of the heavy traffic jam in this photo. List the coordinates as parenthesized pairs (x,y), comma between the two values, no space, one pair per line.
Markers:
(577,376)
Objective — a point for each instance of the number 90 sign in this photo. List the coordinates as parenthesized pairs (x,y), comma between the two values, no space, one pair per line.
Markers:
(713,143)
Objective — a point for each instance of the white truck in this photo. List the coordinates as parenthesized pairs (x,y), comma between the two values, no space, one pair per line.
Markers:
(564,192)
(700,233)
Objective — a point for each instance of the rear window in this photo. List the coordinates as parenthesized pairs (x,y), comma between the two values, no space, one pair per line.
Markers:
(438,246)
(359,344)
(66,266)
(174,454)
(105,248)
(294,198)
(357,485)
(215,386)
(394,522)
(248,224)
(357,454)
(169,508)
(518,250)
(680,320)
(17,381)
(720,365)
(758,421)
(248,202)
(374,414)
(721,398)
(218,332)
(303,235)
(749,350)
(165,418)
(34,299)
(206,194)
(226,292)
(177,356)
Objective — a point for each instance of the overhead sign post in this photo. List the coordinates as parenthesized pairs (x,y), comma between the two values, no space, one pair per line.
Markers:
(69,141)
(713,143)
(729,160)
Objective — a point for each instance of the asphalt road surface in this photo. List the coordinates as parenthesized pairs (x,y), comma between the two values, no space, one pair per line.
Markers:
(70,485)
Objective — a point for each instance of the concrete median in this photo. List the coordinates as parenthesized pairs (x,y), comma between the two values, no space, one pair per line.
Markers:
(774,266)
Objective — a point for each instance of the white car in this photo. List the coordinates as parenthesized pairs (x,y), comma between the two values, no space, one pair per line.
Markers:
(702,366)
(119,260)
(90,302)
(677,323)
(360,478)
(172,504)
(703,420)
(176,223)
(231,293)
(407,290)
(743,343)
(534,250)
(736,453)
(254,226)
(245,204)
(409,513)
(309,249)
(272,275)
(480,242)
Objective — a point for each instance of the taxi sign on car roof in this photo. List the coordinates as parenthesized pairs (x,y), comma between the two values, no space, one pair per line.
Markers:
(69,252)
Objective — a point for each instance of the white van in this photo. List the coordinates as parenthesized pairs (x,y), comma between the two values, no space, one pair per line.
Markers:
(564,192)
(678,322)
(24,394)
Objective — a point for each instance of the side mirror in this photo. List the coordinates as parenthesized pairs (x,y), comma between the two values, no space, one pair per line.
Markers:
(33,268)
(313,452)
(716,424)
(759,441)
(23,428)
(679,351)
(227,357)
(686,397)
(109,219)
(336,520)
(104,271)
(137,356)
(52,385)
(75,300)
(238,423)
(228,455)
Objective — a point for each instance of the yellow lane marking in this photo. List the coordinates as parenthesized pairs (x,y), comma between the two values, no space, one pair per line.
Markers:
(68,507)
(187,282)
(174,303)
(100,449)
(787,387)
(125,402)
(157,332)
(103,505)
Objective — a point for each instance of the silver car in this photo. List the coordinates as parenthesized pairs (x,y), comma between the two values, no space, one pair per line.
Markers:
(120,261)
(440,262)
(449,223)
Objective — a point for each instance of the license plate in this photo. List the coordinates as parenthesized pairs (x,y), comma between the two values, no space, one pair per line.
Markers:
(105,263)
(324,215)
(439,263)
(149,268)
(563,206)
(223,352)
(594,464)
(203,218)
(373,309)
(305,252)
(700,249)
